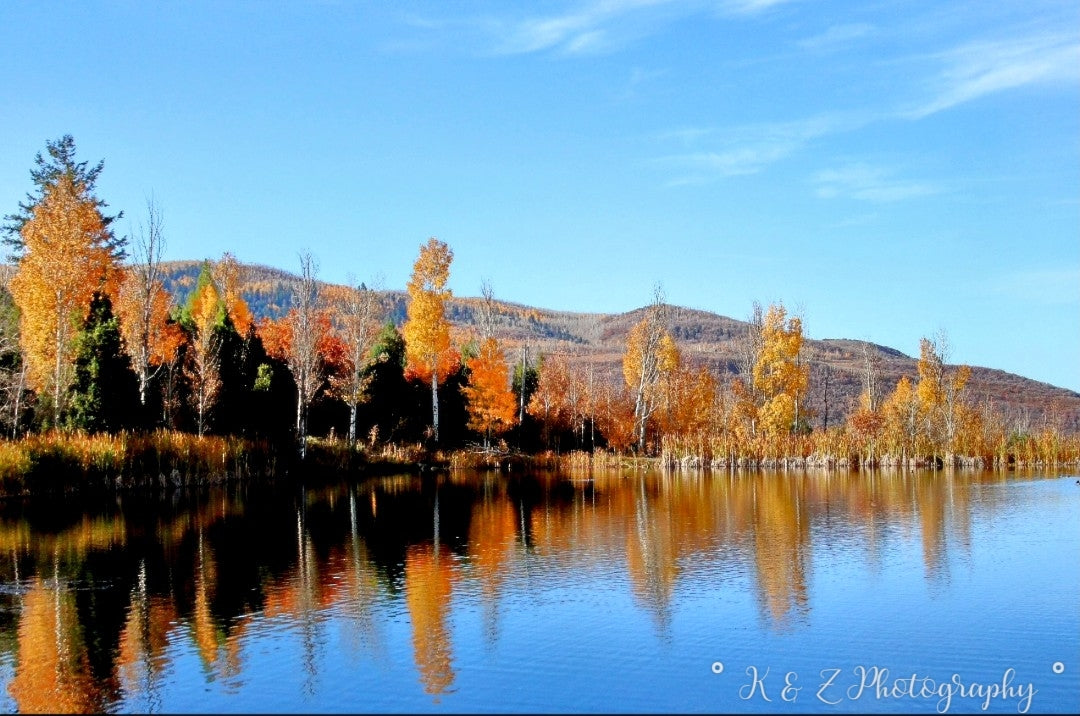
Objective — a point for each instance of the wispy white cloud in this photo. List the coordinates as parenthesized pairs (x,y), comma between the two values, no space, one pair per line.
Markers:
(837,36)
(748,150)
(750,7)
(978,69)
(583,29)
(603,25)
(967,72)
(868,183)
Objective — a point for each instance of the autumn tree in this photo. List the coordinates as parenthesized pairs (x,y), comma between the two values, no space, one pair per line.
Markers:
(691,410)
(226,274)
(303,357)
(743,419)
(651,353)
(356,323)
(548,402)
(778,374)
(203,367)
(427,332)
(940,392)
(492,407)
(615,416)
(901,415)
(59,162)
(867,422)
(150,339)
(750,344)
(66,257)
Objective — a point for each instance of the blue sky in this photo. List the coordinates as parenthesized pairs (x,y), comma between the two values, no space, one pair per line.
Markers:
(888,169)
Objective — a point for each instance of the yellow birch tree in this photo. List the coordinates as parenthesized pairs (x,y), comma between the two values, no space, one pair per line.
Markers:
(777,373)
(66,259)
(651,354)
(428,353)
(204,368)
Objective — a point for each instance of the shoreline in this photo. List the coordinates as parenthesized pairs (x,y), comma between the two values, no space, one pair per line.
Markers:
(58,464)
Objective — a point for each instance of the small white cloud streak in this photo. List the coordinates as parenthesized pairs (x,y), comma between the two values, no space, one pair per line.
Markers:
(751,7)
(590,28)
(983,68)
(837,36)
(867,183)
(748,150)
(573,32)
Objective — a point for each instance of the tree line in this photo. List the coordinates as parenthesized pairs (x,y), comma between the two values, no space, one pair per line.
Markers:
(91,340)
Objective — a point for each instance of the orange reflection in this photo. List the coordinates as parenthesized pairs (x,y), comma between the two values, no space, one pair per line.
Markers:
(53,670)
(492,535)
(428,583)
(781,545)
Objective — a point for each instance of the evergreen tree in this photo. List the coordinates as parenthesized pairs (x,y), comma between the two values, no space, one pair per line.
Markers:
(526,432)
(105,393)
(393,408)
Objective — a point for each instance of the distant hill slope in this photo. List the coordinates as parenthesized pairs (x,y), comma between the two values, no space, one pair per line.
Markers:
(705,338)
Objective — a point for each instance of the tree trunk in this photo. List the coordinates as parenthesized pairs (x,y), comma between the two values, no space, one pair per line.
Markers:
(301,426)
(57,370)
(435,404)
(352,424)
(521,386)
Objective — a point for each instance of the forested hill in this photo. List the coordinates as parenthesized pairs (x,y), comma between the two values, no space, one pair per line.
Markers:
(705,338)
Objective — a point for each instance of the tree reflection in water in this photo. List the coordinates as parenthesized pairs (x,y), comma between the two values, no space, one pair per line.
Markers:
(102,599)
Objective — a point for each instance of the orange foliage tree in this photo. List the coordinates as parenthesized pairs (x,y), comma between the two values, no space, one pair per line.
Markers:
(428,351)
(227,277)
(691,411)
(615,416)
(866,425)
(548,403)
(492,406)
(66,259)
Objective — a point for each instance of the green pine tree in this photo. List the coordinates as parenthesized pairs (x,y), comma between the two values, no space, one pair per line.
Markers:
(105,395)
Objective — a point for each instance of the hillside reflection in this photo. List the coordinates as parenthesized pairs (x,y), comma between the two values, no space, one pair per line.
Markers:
(99,601)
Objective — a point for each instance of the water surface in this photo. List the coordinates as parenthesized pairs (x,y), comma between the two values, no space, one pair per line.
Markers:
(602,592)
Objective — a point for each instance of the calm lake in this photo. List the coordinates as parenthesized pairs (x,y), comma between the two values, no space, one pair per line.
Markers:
(748,591)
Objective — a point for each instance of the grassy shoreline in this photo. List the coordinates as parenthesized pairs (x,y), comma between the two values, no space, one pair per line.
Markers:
(59,463)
